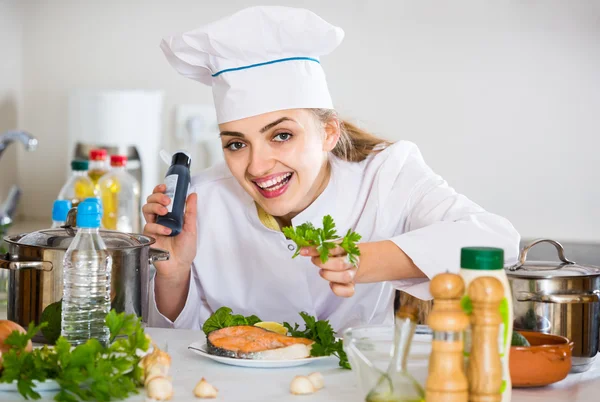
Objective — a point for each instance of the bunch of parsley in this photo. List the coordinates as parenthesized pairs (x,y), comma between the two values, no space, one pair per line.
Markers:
(223,318)
(322,333)
(325,239)
(89,371)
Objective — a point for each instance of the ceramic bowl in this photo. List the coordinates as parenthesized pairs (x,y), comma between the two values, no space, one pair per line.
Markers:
(546,361)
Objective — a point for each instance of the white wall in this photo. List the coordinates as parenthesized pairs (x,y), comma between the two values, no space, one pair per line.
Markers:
(501,96)
(10,87)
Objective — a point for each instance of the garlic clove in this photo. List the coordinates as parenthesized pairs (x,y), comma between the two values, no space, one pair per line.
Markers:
(154,364)
(157,370)
(317,380)
(159,388)
(156,358)
(152,376)
(205,390)
(301,385)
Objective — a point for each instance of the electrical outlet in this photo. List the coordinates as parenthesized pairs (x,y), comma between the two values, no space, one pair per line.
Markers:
(196,123)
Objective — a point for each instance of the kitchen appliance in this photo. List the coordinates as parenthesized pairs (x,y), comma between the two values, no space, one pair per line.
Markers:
(560,298)
(125,122)
(35,264)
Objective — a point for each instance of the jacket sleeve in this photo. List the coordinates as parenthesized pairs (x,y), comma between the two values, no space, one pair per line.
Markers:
(189,318)
(435,221)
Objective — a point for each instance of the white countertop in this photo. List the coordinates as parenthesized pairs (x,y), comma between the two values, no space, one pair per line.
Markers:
(252,384)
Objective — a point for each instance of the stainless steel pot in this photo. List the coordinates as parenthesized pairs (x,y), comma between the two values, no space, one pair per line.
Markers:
(35,261)
(561,298)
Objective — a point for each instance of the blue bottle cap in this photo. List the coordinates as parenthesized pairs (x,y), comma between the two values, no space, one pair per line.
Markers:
(96,200)
(60,209)
(89,214)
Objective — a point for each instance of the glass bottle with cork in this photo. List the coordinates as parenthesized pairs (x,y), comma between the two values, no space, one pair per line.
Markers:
(397,385)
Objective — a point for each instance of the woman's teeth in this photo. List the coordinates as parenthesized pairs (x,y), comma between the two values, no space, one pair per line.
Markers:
(275,184)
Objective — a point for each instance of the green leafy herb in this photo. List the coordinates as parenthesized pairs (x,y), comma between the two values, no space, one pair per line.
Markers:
(223,318)
(322,333)
(52,316)
(20,365)
(325,239)
(519,340)
(107,373)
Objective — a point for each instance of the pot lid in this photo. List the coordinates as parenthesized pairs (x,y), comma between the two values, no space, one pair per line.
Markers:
(564,268)
(60,238)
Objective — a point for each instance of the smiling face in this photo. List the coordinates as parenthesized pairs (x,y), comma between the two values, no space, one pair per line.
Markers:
(280,158)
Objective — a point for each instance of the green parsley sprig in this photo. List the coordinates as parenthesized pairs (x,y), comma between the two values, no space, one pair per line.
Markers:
(223,318)
(88,371)
(322,333)
(324,239)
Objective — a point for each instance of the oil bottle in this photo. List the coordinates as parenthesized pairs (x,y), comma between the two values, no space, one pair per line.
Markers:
(97,167)
(397,385)
(119,194)
(79,186)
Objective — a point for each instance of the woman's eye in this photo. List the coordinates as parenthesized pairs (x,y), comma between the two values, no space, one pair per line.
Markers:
(235,146)
(281,137)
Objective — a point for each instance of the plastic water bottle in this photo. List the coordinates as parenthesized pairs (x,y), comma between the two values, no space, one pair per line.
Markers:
(86,280)
(60,209)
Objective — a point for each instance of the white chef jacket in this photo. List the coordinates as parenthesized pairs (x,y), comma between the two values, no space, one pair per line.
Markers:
(392,195)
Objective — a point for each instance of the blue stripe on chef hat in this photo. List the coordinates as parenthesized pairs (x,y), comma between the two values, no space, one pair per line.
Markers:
(265,64)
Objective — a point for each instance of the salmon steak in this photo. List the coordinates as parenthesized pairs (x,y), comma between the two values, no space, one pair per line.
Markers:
(246,342)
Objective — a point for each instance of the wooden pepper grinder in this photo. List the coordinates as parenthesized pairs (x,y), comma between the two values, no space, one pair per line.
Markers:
(485,365)
(447,381)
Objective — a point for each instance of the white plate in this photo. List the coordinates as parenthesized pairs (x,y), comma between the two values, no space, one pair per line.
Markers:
(200,348)
(46,386)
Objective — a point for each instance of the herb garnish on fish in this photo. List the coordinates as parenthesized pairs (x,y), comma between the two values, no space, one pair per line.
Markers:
(223,318)
(322,333)
(325,239)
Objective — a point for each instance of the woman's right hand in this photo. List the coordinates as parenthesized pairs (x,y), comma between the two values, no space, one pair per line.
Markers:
(181,247)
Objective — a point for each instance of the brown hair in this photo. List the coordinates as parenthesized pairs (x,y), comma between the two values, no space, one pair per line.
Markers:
(355,144)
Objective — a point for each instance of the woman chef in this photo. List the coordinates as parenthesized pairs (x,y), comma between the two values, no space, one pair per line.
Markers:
(289,159)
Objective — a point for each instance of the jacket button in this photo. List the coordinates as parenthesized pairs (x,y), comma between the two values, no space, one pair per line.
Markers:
(291,247)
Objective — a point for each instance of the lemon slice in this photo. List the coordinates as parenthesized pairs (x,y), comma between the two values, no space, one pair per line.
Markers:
(272,326)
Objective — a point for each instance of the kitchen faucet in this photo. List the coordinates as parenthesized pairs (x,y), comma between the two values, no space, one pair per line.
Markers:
(9,206)
(27,139)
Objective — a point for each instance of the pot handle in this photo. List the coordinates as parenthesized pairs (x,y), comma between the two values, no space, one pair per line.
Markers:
(523,256)
(17,265)
(158,254)
(558,298)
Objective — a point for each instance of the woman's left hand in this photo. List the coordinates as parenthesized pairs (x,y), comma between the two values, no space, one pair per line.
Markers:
(338,269)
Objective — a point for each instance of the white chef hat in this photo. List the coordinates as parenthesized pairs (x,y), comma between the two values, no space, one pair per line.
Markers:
(258,60)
